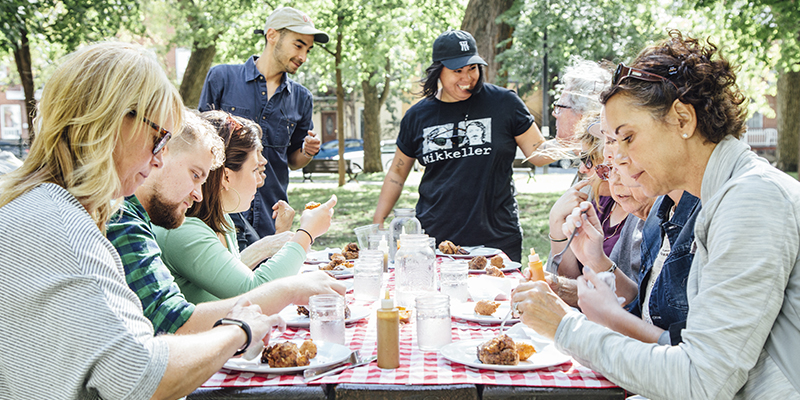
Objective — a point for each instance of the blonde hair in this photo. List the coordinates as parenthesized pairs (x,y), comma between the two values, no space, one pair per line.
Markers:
(592,144)
(79,121)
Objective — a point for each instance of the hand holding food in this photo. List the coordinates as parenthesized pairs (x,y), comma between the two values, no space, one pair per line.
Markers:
(317,219)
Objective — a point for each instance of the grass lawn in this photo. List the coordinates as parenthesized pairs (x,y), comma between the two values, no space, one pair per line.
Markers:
(357,204)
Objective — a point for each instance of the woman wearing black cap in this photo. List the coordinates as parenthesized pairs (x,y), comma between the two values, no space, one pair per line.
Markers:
(467,192)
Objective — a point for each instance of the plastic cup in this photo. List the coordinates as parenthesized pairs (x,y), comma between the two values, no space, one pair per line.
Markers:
(362,234)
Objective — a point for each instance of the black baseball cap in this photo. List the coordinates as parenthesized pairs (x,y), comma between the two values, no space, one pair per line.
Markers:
(455,49)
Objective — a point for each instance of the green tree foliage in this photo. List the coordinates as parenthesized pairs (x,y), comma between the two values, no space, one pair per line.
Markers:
(66,22)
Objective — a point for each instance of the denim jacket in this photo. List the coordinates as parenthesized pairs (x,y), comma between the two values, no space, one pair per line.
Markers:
(668,302)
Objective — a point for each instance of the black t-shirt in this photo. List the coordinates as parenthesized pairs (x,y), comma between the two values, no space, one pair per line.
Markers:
(468,147)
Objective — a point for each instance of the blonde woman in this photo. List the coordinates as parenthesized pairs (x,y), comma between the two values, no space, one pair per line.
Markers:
(103,119)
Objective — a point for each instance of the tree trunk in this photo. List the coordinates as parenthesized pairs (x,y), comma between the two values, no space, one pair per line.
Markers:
(373,102)
(788,118)
(340,97)
(195,74)
(22,57)
(479,20)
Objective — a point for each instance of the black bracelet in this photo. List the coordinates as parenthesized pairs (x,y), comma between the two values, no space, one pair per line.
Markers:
(309,235)
(556,240)
(240,324)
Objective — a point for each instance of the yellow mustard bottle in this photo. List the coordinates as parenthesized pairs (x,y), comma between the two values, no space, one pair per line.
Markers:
(535,266)
(388,334)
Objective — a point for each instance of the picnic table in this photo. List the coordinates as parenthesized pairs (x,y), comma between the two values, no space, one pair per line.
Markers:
(421,373)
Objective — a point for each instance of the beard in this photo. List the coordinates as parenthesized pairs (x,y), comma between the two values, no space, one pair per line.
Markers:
(164,213)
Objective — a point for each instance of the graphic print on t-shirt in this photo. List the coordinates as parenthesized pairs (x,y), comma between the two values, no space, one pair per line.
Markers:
(442,142)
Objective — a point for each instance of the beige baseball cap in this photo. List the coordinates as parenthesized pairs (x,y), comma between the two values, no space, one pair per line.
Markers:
(295,21)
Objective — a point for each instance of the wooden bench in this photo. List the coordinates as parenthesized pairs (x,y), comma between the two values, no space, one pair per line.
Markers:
(330,167)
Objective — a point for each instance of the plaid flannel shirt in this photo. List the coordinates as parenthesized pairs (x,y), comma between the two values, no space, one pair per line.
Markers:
(130,231)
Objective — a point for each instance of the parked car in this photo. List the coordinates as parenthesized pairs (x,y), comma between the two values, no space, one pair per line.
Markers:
(331,149)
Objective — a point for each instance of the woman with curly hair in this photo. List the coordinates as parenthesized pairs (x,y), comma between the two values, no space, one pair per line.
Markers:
(677,115)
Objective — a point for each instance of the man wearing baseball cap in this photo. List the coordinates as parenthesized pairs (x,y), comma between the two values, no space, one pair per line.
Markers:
(261,90)
(465,132)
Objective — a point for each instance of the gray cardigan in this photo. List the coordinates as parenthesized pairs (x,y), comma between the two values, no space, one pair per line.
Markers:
(743,326)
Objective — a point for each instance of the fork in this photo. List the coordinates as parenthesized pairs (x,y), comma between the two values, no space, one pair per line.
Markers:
(505,319)
(310,373)
(557,257)
(340,369)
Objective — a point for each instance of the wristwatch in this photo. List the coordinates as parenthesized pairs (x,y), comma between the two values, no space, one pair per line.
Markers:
(240,324)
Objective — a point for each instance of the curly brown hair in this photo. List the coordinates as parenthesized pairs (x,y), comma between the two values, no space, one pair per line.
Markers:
(703,77)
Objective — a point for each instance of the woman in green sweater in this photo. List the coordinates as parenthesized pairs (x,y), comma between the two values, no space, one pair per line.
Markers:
(203,254)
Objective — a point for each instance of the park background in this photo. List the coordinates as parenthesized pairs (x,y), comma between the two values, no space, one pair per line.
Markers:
(367,76)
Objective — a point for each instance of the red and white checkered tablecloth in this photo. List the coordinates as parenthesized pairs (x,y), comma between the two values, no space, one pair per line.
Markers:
(417,367)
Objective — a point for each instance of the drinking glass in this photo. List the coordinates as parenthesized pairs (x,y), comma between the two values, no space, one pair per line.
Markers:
(368,275)
(433,321)
(453,280)
(326,312)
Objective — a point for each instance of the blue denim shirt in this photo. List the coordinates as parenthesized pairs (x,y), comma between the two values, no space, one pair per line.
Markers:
(285,120)
(668,302)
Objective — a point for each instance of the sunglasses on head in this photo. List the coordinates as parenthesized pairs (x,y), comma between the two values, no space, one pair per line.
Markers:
(602,170)
(623,71)
(163,134)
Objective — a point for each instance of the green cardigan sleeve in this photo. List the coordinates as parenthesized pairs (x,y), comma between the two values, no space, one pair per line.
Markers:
(207,270)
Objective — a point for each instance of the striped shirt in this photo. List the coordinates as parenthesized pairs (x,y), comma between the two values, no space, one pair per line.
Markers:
(71,326)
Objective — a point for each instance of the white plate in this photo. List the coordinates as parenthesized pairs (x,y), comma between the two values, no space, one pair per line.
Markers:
(508,266)
(293,319)
(466,352)
(466,311)
(472,252)
(327,354)
(320,256)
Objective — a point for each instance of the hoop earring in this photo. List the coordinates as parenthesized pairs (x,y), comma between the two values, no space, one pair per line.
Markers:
(238,201)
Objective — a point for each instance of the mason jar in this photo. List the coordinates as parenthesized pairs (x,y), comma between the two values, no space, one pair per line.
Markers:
(405,222)
(415,271)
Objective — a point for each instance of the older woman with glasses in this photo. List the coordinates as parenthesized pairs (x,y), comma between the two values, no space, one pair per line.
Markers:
(104,116)
(677,115)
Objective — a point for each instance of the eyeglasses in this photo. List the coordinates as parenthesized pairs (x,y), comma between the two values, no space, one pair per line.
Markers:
(602,170)
(456,140)
(623,71)
(164,135)
(557,108)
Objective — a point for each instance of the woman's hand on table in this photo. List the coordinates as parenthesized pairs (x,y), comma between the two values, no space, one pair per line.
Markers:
(539,308)
(283,214)
(260,325)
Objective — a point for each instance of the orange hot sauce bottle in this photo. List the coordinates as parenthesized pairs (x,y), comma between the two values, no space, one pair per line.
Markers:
(388,334)
(535,266)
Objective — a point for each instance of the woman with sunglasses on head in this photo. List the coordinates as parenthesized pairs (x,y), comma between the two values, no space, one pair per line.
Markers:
(104,117)
(465,133)
(677,115)
(203,254)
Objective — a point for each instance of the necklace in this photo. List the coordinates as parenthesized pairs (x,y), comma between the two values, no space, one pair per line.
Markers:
(607,219)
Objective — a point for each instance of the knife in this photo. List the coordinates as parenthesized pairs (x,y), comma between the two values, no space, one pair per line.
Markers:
(340,369)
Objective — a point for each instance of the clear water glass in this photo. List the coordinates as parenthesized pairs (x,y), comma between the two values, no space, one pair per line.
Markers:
(453,280)
(326,312)
(368,275)
(405,222)
(415,272)
(433,321)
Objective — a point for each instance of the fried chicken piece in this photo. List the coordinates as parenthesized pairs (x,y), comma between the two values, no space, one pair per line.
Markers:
(486,307)
(500,350)
(497,261)
(448,247)
(494,271)
(284,355)
(312,205)
(350,251)
(525,350)
(338,263)
(478,262)
(302,310)
(405,315)
(309,349)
